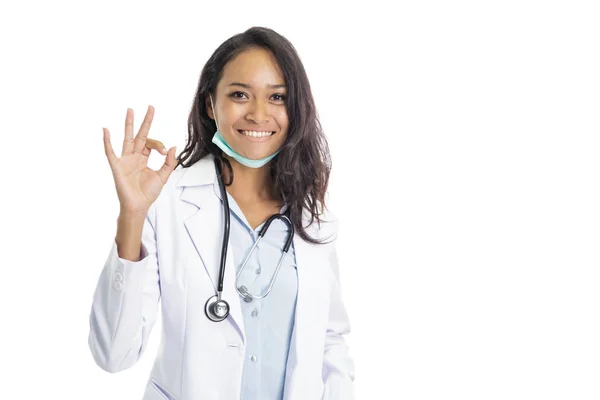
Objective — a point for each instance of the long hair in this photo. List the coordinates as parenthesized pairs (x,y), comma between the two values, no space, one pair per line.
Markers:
(300,172)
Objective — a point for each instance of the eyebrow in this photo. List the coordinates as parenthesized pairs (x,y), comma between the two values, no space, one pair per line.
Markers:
(279,85)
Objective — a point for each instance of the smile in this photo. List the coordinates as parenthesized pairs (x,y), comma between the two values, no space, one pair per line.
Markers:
(256,134)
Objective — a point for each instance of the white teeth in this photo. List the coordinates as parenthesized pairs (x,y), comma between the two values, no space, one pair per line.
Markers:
(256,134)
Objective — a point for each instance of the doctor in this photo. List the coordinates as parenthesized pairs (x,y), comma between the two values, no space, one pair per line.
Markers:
(254,146)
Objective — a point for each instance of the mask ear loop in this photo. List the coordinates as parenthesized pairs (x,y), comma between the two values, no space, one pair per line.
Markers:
(214,111)
(216,123)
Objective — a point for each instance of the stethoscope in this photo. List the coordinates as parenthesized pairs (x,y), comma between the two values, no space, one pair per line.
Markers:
(217,309)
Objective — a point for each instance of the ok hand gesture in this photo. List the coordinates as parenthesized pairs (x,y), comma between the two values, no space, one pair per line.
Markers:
(137,185)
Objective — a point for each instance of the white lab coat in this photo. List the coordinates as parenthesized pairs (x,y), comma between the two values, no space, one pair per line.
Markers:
(199,359)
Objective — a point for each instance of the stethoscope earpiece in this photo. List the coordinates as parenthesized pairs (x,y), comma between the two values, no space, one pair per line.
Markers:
(243,291)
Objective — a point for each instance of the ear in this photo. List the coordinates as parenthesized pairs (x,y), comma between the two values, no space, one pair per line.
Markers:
(209,109)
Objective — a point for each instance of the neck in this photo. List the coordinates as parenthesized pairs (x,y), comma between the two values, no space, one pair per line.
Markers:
(250,185)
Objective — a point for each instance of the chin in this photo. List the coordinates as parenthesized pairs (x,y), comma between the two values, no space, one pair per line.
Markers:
(258,156)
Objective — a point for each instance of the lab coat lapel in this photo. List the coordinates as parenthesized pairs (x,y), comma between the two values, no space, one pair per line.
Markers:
(205,228)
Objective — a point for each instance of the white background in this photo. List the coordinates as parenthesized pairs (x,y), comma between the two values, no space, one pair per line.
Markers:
(465,142)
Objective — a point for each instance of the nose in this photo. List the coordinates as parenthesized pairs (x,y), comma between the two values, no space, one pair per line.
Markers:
(258,112)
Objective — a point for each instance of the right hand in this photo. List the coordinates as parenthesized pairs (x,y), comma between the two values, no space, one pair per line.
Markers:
(137,185)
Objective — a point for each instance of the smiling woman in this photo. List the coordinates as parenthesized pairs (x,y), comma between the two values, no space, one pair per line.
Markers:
(254,114)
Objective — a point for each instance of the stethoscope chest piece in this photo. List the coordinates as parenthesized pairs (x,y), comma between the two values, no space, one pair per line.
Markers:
(216,310)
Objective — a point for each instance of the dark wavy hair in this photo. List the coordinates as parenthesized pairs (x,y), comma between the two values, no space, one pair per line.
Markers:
(300,172)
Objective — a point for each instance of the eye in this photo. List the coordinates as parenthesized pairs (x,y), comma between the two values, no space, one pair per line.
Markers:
(235,95)
(281,96)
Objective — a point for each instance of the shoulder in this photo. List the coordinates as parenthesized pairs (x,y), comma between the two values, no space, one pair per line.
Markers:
(202,172)
(185,189)
(170,191)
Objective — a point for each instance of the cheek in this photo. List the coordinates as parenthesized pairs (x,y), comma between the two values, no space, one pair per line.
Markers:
(283,120)
(233,112)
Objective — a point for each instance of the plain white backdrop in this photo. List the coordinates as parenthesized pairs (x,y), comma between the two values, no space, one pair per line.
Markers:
(465,145)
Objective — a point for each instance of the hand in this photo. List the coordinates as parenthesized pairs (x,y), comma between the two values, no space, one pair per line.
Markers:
(137,185)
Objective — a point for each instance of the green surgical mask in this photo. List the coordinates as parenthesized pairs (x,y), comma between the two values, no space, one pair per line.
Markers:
(219,140)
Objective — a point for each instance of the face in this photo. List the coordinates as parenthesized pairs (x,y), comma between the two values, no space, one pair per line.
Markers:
(250,106)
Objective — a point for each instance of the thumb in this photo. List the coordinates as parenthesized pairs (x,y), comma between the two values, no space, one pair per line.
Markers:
(169,165)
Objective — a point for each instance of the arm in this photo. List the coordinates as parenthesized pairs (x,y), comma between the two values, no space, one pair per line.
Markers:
(338,366)
(125,304)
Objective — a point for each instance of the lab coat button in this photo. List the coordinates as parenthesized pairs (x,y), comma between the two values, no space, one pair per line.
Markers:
(118,276)
(254,313)
(257,271)
(118,285)
(253,358)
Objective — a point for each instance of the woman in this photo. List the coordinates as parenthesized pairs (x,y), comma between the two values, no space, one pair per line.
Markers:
(276,329)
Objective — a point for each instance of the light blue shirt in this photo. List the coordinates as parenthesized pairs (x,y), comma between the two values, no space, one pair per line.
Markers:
(269,321)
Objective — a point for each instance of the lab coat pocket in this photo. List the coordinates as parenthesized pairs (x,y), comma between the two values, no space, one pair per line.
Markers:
(157,392)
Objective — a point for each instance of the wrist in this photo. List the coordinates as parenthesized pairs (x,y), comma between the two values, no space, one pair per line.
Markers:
(132,215)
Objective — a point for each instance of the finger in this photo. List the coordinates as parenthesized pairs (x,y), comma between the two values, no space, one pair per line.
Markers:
(128,140)
(156,145)
(140,138)
(152,144)
(170,162)
(108,150)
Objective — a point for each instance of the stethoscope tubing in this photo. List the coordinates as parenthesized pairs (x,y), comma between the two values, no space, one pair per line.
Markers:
(286,247)
(217,309)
